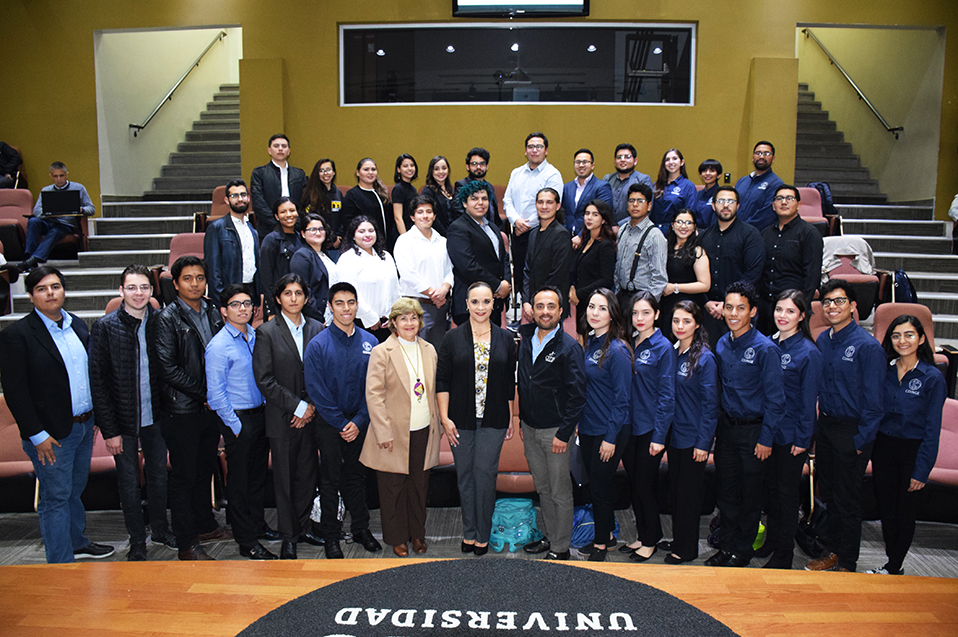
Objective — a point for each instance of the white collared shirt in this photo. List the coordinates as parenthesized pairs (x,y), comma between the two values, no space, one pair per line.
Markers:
(524,182)
(375,280)
(283,177)
(423,263)
(297,332)
(248,247)
(580,187)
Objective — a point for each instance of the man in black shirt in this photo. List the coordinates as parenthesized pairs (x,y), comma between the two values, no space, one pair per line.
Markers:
(736,253)
(271,181)
(793,256)
(477,163)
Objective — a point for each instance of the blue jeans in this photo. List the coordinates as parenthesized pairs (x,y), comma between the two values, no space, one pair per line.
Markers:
(62,518)
(128,481)
(43,234)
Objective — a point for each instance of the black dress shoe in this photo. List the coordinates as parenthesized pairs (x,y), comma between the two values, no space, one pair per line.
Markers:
(674,559)
(309,538)
(256,552)
(738,561)
(552,555)
(269,535)
(288,550)
(467,548)
(539,546)
(720,558)
(597,555)
(333,550)
(480,550)
(625,548)
(635,557)
(368,541)
(30,264)
(664,545)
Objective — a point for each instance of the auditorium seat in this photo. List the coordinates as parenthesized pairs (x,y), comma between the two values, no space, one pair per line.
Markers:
(514,474)
(14,204)
(13,459)
(888,312)
(219,208)
(114,304)
(945,470)
(811,210)
(183,244)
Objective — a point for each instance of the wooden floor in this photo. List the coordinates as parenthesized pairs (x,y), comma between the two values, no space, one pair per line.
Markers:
(222,598)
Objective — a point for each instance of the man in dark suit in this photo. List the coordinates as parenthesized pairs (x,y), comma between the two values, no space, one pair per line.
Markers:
(45,377)
(271,181)
(477,252)
(231,246)
(577,193)
(477,163)
(278,368)
(550,253)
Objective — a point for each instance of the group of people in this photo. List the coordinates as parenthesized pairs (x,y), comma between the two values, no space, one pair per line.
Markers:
(359,362)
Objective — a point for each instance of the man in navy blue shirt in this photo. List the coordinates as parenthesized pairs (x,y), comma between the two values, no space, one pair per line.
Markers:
(335,367)
(752,410)
(850,409)
(758,187)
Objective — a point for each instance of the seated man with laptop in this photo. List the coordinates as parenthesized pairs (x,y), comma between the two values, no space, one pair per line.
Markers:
(55,215)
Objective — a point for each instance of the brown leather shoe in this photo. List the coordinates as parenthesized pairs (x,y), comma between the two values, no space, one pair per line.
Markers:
(827,562)
(401,550)
(219,535)
(419,546)
(195,553)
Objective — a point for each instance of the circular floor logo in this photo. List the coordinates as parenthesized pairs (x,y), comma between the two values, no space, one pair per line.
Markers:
(488,597)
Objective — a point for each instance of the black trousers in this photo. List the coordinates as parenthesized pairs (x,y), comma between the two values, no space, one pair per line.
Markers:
(643,472)
(686,484)
(340,473)
(294,480)
(519,245)
(893,461)
(783,480)
(192,441)
(600,481)
(247,458)
(739,474)
(841,473)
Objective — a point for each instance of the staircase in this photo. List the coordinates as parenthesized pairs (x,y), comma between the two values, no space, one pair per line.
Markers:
(901,235)
(139,229)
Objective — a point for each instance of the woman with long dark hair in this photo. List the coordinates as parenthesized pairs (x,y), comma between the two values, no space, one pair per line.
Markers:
(653,399)
(709,171)
(693,429)
(907,442)
(439,188)
(673,190)
(593,265)
(407,171)
(372,271)
(322,196)
(370,199)
(801,375)
(604,427)
(278,248)
(314,264)
(687,265)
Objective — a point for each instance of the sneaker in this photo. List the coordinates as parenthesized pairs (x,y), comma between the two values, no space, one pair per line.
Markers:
(167,539)
(93,551)
(826,562)
(884,571)
(137,553)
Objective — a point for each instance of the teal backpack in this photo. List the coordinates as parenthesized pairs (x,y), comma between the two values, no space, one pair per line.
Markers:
(513,524)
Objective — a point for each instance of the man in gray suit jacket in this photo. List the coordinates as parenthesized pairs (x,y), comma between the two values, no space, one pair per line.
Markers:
(278,369)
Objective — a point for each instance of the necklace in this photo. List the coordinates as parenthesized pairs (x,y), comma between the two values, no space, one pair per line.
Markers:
(418,388)
(482,333)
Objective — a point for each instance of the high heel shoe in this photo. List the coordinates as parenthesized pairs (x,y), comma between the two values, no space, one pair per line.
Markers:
(467,548)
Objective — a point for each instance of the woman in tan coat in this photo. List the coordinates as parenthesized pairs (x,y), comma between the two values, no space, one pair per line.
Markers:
(402,443)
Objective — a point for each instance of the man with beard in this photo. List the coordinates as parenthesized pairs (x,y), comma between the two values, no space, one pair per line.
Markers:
(624,176)
(758,187)
(736,253)
(477,163)
(231,246)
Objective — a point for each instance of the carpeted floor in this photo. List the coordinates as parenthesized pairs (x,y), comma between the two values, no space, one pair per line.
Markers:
(934,551)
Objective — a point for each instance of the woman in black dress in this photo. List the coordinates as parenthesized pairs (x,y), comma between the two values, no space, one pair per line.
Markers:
(370,198)
(687,266)
(278,248)
(407,171)
(594,263)
(323,197)
(440,189)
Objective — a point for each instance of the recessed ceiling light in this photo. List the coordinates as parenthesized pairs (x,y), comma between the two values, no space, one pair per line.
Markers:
(515,47)
(450,49)
(591,48)
(657,50)
(380,53)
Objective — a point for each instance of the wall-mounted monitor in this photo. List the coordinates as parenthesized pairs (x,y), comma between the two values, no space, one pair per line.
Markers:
(518,8)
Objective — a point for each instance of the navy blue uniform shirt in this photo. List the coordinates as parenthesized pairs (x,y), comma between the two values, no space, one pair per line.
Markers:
(607,390)
(913,411)
(802,371)
(696,403)
(653,385)
(751,372)
(335,368)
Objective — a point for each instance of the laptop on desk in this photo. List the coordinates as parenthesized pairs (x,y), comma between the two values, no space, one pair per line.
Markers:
(60,202)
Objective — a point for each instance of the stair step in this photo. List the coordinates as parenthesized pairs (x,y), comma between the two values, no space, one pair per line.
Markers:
(101,243)
(853,187)
(198,146)
(143,225)
(156,208)
(829,174)
(945,327)
(810,107)
(204,125)
(895,227)
(925,282)
(812,115)
(860,199)
(806,162)
(922,245)
(220,114)
(75,301)
(940,303)
(805,148)
(225,95)
(805,97)
(229,171)
(234,88)
(223,105)
(818,137)
(192,183)
(180,194)
(213,136)
(204,158)
(815,126)
(912,262)
(121,259)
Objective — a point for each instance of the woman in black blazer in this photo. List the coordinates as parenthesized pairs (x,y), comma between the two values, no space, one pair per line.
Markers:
(475,382)
(594,259)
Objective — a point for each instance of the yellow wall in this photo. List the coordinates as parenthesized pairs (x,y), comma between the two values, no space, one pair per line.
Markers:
(54,45)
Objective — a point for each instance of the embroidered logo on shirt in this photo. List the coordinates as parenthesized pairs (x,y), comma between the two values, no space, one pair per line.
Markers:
(786,359)
(913,386)
(595,356)
(676,191)
(763,186)
(684,369)
(551,356)
(645,355)
(849,354)
(367,348)
(749,356)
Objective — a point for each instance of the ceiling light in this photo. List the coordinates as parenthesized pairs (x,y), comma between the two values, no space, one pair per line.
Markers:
(591,48)
(380,53)
(657,50)
(450,49)
(515,47)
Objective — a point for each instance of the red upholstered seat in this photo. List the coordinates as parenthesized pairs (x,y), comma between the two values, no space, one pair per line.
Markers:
(945,470)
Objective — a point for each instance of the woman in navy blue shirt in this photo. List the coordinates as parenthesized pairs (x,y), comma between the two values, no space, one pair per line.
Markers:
(709,170)
(801,375)
(906,446)
(604,424)
(653,393)
(692,431)
(673,190)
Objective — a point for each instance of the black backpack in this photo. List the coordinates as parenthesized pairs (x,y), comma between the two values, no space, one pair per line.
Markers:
(904,289)
(828,204)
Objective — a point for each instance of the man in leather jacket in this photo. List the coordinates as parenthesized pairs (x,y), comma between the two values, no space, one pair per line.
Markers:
(190,428)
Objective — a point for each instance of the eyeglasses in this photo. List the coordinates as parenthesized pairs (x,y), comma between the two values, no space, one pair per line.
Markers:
(908,336)
(762,153)
(780,198)
(142,288)
(726,202)
(683,222)
(235,305)
(239,195)
(326,171)
(477,164)
(582,162)
(314,230)
(619,157)
(534,147)
(838,301)
(637,201)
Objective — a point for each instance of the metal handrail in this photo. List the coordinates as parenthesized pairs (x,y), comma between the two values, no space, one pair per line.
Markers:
(888,127)
(169,96)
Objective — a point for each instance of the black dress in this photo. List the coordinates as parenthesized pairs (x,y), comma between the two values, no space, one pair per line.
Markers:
(359,201)
(678,272)
(403,193)
(592,269)
(444,211)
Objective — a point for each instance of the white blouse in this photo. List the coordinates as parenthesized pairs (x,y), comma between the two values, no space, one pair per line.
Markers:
(376,281)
